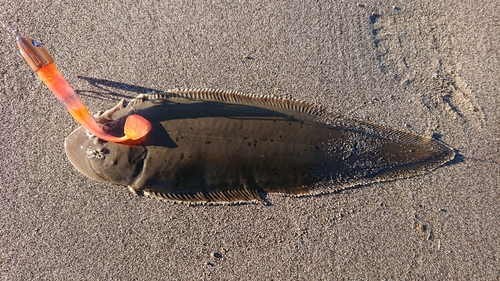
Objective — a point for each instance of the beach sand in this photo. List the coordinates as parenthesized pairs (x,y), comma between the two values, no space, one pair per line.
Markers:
(418,66)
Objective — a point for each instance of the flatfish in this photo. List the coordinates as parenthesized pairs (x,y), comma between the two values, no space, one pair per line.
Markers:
(214,146)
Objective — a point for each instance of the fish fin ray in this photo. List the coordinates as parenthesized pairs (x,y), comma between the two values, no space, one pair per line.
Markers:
(235,97)
(211,197)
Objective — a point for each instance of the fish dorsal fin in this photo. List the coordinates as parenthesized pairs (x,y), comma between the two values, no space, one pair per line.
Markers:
(234,97)
(212,197)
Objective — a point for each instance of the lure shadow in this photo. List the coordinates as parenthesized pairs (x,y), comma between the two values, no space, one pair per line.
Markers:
(108,94)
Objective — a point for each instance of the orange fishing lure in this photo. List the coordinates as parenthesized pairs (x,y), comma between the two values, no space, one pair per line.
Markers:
(136,127)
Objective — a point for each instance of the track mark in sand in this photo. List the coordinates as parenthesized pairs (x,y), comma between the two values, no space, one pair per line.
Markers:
(452,94)
(389,37)
(379,38)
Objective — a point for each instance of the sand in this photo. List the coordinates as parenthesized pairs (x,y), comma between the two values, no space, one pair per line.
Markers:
(417,66)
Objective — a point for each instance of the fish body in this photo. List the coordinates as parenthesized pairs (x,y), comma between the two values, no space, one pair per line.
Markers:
(212,146)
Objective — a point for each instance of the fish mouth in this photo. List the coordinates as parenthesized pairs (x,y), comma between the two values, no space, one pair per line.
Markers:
(77,145)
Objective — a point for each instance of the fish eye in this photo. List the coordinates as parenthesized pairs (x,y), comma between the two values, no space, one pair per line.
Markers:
(36,44)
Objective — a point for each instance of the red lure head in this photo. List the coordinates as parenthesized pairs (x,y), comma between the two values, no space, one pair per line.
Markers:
(34,53)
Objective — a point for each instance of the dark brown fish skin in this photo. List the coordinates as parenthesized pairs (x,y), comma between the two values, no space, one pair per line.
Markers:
(206,149)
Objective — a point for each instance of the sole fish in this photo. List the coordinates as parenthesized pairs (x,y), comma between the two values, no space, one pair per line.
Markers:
(213,146)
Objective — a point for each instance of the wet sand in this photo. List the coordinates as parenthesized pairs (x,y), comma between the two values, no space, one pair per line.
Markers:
(422,67)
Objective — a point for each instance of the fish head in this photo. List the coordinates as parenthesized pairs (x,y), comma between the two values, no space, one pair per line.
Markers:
(104,161)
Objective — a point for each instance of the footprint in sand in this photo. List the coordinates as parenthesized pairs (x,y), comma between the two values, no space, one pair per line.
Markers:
(452,94)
